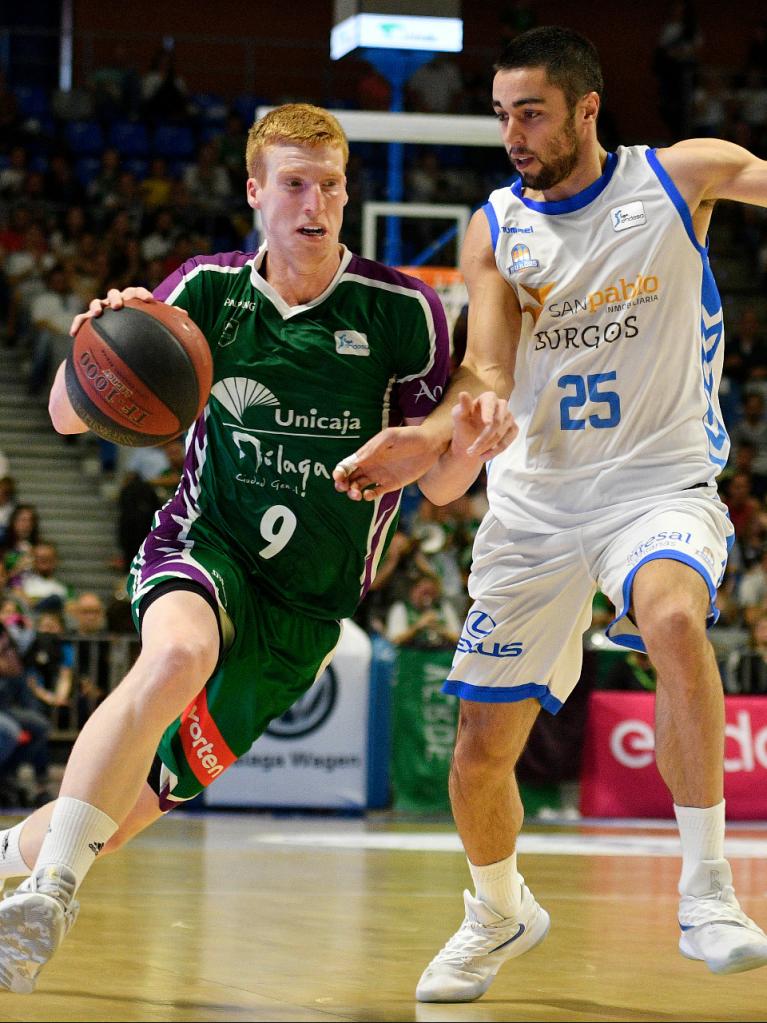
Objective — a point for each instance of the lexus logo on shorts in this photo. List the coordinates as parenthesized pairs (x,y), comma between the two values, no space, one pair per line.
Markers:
(479,624)
(309,711)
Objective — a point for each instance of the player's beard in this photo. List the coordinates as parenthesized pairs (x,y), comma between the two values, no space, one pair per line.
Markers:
(559,162)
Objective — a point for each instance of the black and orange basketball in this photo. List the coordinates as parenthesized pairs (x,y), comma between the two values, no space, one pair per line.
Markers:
(139,375)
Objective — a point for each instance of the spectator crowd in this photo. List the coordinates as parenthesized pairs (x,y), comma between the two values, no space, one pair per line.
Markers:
(118,183)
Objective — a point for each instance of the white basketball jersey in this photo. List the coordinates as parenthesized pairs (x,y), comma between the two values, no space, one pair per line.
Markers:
(621,347)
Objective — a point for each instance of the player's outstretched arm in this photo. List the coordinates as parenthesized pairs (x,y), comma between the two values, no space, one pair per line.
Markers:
(63,416)
(399,455)
(705,170)
(389,461)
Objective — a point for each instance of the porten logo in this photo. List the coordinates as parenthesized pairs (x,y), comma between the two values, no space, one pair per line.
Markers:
(632,743)
(206,751)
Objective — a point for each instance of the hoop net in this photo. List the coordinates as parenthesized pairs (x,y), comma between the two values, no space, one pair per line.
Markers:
(448,282)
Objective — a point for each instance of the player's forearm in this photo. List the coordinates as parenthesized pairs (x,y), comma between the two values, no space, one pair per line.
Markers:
(63,416)
(450,477)
(457,468)
(438,425)
(475,379)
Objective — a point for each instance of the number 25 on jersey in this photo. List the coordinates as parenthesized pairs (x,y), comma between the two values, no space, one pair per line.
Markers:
(604,405)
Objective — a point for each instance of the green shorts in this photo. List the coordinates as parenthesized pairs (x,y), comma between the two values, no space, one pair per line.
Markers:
(272,658)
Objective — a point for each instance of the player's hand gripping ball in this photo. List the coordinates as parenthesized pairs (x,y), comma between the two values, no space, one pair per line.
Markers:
(139,375)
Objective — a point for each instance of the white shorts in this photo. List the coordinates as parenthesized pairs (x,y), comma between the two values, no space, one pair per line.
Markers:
(532,592)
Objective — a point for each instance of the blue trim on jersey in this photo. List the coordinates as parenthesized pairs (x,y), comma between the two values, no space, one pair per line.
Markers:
(711,337)
(675,196)
(504,694)
(636,642)
(711,302)
(492,220)
(629,641)
(574,202)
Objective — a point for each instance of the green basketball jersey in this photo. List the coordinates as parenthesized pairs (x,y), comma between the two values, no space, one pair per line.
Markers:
(295,390)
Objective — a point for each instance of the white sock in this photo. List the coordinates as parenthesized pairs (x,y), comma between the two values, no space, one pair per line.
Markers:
(701,830)
(12,863)
(76,835)
(498,885)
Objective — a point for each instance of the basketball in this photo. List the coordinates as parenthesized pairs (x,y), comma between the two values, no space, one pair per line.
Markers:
(139,375)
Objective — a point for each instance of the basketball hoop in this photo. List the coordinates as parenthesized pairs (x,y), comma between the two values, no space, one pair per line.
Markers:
(448,282)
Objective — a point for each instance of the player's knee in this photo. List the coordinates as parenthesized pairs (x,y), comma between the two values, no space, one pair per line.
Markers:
(182,657)
(478,756)
(674,621)
(165,677)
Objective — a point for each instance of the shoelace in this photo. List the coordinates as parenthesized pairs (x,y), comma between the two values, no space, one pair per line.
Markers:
(722,908)
(472,938)
(61,892)
(58,887)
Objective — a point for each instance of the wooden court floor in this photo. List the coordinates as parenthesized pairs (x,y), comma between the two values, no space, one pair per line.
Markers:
(257,917)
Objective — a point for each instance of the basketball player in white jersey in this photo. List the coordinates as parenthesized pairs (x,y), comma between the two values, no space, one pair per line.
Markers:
(592,304)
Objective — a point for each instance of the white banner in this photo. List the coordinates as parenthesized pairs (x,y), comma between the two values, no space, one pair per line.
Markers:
(315,755)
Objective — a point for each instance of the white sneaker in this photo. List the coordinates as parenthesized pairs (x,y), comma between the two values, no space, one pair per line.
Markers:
(466,966)
(714,927)
(34,920)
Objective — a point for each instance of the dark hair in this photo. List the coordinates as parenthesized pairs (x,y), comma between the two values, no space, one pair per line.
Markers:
(12,537)
(571,61)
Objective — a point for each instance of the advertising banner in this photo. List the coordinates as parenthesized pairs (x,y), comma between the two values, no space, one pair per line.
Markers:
(315,755)
(423,730)
(620,779)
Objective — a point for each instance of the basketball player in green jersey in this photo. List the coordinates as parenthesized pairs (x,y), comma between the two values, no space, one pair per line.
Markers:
(240,587)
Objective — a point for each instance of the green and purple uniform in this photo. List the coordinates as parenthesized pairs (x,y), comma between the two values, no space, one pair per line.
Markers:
(256,520)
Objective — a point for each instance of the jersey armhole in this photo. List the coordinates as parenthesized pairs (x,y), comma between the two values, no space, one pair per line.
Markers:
(675,196)
(492,220)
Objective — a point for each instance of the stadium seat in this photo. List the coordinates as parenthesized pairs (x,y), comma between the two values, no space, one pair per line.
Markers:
(213,130)
(33,101)
(247,105)
(84,138)
(138,167)
(129,138)
(38,162)
(210,107)
(86,169)
(174,141)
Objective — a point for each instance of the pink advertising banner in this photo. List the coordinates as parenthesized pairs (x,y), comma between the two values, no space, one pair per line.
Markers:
(619,777)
